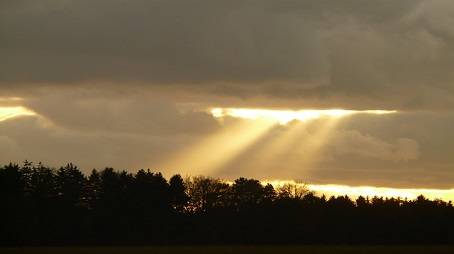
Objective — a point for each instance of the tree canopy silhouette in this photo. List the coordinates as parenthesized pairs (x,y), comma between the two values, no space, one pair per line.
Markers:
(46,206)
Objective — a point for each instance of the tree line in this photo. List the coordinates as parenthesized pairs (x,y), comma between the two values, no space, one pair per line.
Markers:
(46,206)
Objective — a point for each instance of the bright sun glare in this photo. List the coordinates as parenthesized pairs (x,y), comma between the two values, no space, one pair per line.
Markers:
(286,116)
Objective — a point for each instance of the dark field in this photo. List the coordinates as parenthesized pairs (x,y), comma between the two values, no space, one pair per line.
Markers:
(234,249)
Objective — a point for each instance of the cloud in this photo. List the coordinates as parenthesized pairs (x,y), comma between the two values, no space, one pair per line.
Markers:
(406,149)
(8,148)
(136,114)
(29,138)
(356,143)
(353,54)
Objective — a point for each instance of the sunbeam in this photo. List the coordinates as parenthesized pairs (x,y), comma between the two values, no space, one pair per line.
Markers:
(293,144)
(299,145)
(270,155)
(213,152)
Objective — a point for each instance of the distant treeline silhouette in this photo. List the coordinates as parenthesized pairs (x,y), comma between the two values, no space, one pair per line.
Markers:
(46,206)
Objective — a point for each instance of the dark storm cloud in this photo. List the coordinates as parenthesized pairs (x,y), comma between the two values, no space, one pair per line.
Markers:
(355,54)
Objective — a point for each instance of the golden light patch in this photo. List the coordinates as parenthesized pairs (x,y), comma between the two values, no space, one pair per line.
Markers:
(285,116)
(11,112)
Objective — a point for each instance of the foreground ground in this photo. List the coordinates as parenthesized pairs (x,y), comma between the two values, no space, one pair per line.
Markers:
(235,249)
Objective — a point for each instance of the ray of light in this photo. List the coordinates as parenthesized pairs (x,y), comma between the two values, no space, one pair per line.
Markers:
(296,146)
(308,152)
(275,151)
(286,116)
(209,155)
(213,152)
(16,111)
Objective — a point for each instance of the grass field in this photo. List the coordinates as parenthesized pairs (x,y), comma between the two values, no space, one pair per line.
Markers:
(235,249)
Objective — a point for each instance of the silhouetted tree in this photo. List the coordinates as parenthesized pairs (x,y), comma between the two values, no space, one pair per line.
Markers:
(177,188)
(93,189)
(247,193)
(206,193)
(292,191)
(71,184)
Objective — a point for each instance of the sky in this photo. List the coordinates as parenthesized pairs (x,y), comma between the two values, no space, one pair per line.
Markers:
(133,84)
